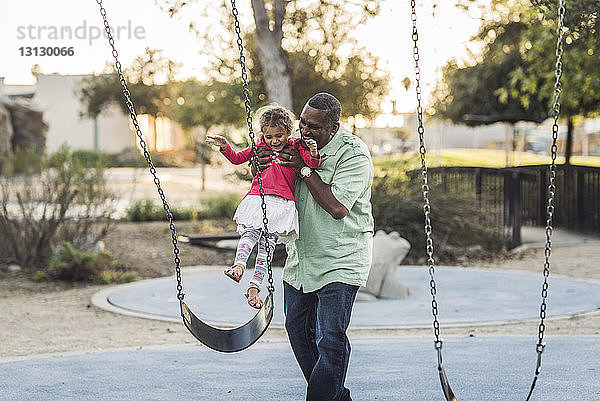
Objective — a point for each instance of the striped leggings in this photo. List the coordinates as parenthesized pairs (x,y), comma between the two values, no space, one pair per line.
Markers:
(248,239)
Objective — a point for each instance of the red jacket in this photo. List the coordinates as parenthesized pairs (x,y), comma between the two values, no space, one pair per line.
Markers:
(276,179)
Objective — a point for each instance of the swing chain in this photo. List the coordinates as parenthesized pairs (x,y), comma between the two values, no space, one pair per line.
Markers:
(425,184)
(142,142)
(261,191)
(552,181)
(550,201)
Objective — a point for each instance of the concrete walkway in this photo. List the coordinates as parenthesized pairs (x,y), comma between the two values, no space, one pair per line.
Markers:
(535,237)
(392,369)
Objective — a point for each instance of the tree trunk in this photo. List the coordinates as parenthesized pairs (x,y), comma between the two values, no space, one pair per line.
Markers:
(203,174)
(273,59)
(569,144)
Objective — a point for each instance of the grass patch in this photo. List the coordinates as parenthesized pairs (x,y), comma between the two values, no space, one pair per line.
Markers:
(479,158)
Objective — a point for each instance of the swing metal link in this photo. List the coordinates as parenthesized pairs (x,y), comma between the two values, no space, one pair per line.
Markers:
(425,183)
(265,232)
(438,343)
(147,157)
(219,339)
(143,145)
(540,346)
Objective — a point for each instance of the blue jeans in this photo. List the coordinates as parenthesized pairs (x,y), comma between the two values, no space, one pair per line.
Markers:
(316,325)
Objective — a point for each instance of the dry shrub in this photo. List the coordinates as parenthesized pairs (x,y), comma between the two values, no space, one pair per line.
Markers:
(459,225)
(47,200)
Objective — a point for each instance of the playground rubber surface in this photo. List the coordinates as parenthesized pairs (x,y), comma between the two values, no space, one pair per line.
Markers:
(465,296)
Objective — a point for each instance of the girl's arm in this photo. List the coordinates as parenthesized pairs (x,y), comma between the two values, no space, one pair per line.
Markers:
(231,155)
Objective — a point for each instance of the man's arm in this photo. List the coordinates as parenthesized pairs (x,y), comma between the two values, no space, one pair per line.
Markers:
(320,191)
(324,197)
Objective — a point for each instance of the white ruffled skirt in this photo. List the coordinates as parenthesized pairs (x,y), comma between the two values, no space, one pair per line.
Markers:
(281,213)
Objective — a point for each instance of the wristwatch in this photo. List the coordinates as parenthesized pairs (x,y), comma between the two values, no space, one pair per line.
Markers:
(305,172)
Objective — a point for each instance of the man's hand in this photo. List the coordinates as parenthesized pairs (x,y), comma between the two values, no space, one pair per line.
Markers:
(265,158)
(292,158)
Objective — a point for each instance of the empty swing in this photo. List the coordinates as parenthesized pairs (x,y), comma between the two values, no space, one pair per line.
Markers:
(219,339)
(448,393)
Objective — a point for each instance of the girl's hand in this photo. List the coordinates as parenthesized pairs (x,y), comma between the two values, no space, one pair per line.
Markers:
(217,140)
(311,144)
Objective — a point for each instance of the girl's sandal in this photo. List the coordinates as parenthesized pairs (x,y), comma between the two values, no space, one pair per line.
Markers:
(253,299)
(235,272)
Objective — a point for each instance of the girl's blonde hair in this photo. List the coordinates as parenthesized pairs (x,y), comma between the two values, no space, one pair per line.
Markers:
(274,115)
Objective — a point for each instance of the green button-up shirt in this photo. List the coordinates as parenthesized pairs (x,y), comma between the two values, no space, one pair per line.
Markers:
(329,250)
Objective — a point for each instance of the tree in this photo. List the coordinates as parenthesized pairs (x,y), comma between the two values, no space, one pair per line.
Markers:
(581,16)
(316,33)
(205,105)
(149,80)
(273,59)
(98,92)
(580,81)
(524,76)
(356,85)
(476,94)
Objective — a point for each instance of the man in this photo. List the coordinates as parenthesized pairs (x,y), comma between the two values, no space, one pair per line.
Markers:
(332,256)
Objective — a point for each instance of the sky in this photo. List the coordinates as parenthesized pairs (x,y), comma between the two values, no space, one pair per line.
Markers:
(138,24)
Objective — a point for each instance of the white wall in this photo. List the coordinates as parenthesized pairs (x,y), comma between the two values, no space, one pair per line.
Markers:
(56,96)
(591,126)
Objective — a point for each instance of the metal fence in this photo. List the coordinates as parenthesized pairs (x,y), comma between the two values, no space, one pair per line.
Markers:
(516,196)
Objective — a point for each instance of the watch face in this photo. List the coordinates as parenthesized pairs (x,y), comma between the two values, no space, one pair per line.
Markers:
(305,171)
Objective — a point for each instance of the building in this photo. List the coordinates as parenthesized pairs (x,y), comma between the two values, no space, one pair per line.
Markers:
(397,133)
(57,97)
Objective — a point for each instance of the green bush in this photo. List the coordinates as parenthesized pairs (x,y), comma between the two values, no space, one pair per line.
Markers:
(149,210)
(84,158)
(214,207)
(127,158)
(144,210)
(39,276)
(132,157)
(220,206)
(22,162)
(458,224)
(70,264)
(111,276)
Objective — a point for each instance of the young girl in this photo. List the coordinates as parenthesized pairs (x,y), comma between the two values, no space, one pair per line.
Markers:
(276,126)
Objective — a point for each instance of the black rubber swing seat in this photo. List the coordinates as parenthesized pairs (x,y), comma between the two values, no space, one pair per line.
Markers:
(448,393)
(229,340)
